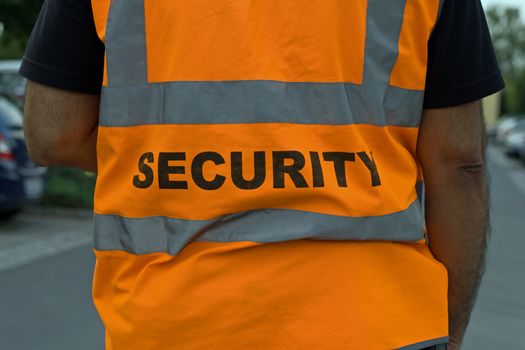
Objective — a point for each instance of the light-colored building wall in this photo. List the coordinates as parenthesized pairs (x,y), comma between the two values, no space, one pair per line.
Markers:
(492,108)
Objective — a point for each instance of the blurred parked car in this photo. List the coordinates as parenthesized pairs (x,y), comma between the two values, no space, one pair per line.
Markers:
(21,181)
(12,85)
(521,153)
(505,126)
(514,139)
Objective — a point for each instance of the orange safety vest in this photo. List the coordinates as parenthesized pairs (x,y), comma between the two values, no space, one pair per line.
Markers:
(257,184)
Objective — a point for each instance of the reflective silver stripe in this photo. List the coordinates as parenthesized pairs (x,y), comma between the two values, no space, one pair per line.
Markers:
(162,234)
(384,20)
(130,100)
(420,190)
(260,102)
(440,342)
(126,43)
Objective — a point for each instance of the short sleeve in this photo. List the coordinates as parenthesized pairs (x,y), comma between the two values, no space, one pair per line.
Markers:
(462,65)
(64,50)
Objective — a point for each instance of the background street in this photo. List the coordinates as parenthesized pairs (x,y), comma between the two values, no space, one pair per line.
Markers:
(498,321)
(46,265)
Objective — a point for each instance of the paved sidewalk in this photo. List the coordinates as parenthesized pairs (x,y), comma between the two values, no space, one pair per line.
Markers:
(498,321)
(41,233)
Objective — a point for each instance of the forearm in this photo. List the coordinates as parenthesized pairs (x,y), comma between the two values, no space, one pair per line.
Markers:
(457,219)
(61,127)
(451,151)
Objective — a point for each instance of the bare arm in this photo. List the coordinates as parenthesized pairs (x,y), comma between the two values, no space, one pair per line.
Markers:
(451,148)
(61,127)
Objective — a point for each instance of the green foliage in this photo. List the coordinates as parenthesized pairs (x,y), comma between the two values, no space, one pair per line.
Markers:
(520,93)
(508,34)
(514,95)
(69,188)
(17,18)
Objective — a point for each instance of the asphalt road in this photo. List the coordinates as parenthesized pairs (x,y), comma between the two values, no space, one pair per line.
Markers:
(46,264)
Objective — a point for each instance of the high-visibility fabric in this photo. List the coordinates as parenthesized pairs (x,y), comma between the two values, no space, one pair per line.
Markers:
(360,191)
(258,179)
(289,295)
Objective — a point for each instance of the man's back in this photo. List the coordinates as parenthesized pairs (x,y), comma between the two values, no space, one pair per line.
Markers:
(258,176)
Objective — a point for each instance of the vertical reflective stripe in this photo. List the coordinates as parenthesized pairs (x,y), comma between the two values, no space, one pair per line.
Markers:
(420,189)
(383,28)
(126,43)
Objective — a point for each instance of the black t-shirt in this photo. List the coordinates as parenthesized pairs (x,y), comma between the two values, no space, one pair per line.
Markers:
(65,52)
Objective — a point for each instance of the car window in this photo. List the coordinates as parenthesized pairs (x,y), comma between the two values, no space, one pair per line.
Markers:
(11,82)
(10,114)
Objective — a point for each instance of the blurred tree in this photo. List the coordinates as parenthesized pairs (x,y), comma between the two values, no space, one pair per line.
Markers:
(508,34)
(17,18)
(520,92)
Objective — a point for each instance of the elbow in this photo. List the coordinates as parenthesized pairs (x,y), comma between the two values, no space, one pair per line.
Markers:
(466,163)
(452,145)
(463,173)
(42,156)
(45,150)
(456,166)
(471,172)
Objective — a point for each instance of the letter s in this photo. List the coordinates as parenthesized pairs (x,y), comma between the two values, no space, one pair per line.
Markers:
(145,170)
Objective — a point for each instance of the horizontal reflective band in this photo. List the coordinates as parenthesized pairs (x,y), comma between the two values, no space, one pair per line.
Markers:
(228,102)
(162,234)
(201,172)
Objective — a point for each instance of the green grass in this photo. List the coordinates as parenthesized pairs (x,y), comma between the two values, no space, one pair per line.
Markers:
(66,187)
